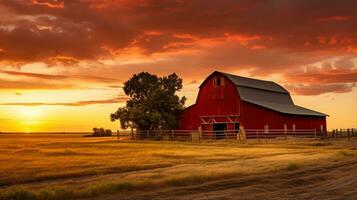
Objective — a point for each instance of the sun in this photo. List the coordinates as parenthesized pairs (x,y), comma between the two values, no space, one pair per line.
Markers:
(30,112)
(30,118)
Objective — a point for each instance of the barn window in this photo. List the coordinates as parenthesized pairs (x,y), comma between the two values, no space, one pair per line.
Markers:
(218,81)
(218,90)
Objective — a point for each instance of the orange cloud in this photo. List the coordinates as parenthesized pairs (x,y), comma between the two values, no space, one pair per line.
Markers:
(33,85)
(49,3)
(333,18)
(338,76)
(316,89)
(59,77)
(117,38)
(77,103)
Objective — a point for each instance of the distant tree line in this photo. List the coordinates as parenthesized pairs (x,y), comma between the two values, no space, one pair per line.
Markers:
(97,132)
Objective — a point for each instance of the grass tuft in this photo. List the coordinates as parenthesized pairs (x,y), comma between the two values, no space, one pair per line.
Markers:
(106,188)
(187,180)
(17,194)
(343,153)
(293,166)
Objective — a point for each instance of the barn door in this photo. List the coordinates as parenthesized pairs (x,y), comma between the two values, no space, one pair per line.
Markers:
(236,127)
(219,130)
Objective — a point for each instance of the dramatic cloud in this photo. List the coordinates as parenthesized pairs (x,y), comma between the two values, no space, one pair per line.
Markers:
(316,89)
(78,103)
(90,29)
(338,76)
(117,38)
(31,85)
(59,77)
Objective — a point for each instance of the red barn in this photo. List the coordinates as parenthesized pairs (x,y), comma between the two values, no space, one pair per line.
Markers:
(227,101)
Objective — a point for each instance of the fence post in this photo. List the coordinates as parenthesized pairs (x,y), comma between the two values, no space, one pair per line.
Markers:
(315,132)
(118,134)
(258,136)
(199,133)
(147,135)
(266,130)
(238,135)
(348,134)
(172,134)
(285,133)
(244,134)
(132,133)
(265,135)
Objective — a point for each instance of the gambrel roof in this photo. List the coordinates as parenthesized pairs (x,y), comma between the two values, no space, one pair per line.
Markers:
(268,94)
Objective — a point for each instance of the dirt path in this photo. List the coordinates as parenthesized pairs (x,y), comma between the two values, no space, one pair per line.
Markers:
(333,181)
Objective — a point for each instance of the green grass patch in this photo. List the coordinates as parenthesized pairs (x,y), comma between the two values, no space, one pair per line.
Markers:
(292,166)
(65,193)
(107,188)
(186,180)
(17,194)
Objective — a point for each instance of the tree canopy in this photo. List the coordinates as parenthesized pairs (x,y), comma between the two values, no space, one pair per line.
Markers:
(153,103)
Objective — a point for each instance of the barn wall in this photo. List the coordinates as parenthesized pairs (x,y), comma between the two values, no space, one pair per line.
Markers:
(208,105)
(189,120)
(229,103)
(212,101)
(256,117)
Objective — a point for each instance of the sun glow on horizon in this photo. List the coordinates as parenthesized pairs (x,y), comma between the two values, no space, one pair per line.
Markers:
(30,118)
(31,112)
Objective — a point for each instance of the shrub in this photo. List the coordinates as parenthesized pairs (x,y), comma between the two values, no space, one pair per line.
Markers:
(98,132)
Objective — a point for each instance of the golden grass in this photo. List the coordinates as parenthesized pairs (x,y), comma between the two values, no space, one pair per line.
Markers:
(73,167)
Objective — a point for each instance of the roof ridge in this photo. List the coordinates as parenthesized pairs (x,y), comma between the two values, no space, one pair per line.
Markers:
(245,77)
(254,83)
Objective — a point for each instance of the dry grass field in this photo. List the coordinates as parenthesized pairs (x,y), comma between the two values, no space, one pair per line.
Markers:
(75,167)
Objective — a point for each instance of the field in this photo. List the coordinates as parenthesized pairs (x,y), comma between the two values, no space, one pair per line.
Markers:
(60,167)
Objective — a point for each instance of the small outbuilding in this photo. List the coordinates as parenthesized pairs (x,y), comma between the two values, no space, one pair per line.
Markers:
(226,102)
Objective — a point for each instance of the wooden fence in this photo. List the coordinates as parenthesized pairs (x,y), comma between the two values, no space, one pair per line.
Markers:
(195,135)
(349,132)
(274,133)
(173,135)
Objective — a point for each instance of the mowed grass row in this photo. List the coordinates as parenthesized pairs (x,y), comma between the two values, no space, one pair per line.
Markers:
(72,167)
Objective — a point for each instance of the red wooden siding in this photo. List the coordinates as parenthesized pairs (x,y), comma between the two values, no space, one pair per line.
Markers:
(256,117)
(224,100)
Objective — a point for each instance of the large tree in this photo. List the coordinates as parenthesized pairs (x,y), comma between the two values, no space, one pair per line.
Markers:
(153,102)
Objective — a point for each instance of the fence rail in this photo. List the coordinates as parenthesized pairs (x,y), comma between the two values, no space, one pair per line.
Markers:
(195,135)
(274,133)
(349,132)
(175,135)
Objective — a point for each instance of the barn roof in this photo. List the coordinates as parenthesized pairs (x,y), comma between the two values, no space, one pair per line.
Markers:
(255,83)
(268,94)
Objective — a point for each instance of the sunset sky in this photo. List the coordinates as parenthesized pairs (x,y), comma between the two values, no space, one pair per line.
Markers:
(63,62)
